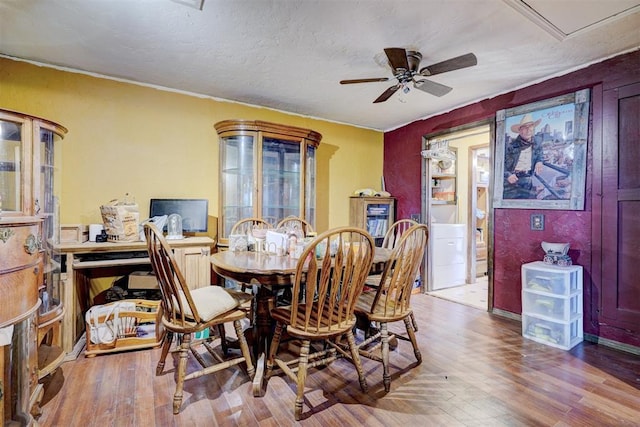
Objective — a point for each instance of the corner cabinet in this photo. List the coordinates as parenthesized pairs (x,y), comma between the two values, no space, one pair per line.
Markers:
(31,311)
(267,170)
(374,214)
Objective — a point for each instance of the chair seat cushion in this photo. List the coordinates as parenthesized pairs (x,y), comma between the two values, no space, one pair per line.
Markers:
(210,301)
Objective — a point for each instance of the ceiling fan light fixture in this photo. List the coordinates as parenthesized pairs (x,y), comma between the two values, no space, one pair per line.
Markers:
(405,65)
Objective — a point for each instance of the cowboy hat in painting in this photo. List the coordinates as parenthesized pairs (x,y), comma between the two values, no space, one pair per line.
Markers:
(526,120)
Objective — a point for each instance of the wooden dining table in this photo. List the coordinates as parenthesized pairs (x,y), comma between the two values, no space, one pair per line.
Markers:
(269,273)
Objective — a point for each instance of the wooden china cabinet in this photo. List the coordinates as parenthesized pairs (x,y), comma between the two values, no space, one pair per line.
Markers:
(267,170)
(31,311)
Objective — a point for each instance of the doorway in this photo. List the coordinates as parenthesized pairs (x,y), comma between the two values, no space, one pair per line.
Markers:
(472,211)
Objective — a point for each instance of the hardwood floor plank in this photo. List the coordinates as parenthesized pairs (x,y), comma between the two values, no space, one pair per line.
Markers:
(144,410)
(477,370)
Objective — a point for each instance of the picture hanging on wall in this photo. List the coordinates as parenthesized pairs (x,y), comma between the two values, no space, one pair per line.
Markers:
(541,154)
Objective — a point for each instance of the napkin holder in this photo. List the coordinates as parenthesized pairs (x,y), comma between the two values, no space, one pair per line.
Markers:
(276,242)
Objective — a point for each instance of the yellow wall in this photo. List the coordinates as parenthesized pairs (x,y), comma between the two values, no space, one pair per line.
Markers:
(127,138)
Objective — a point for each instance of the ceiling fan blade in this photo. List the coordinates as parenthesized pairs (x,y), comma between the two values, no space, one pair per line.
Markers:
(375,79)
(397,58)
(387,93)
(456,63)
(413,59)
(431,87)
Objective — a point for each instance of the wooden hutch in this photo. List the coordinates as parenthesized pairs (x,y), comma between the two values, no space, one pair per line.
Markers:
(31,310)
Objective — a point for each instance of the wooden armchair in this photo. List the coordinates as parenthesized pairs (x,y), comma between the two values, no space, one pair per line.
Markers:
(185,312)
(390,302)
(329,276)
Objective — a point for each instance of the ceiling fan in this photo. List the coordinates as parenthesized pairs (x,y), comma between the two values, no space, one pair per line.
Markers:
(405,64)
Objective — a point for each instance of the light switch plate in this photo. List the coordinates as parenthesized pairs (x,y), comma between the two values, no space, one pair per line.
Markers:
(537,222)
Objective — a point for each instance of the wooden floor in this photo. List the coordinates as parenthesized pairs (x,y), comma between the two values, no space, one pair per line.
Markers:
(477,370)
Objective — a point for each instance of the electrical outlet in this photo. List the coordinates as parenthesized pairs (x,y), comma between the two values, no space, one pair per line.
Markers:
(537,222)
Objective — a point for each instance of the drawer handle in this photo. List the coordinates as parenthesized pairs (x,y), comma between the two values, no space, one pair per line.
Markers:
(5,234)
(36,270)
(204,252)
(32,244)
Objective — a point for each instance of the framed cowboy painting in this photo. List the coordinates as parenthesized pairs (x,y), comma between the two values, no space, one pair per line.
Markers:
(541,154)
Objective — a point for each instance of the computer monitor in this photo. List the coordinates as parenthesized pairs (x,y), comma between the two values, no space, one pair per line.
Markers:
(194,212)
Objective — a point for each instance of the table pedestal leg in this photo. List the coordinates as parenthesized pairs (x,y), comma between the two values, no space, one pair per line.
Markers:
(265,302)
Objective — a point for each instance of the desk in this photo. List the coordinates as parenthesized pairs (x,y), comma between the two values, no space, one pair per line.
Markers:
(90,259)
(269,272)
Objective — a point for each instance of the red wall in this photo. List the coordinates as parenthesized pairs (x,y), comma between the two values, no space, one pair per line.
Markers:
(514,242)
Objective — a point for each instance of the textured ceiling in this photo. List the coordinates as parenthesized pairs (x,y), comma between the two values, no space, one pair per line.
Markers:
(290,55)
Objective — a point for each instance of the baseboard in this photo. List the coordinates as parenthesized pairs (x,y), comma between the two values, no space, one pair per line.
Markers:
(628,348)
(507,314)
(77,349)
(613,344)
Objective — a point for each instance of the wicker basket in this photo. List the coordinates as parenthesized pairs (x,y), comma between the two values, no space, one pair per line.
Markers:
(140,327)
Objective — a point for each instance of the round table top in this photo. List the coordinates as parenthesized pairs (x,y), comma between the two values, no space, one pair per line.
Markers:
(264,267)
(254,262)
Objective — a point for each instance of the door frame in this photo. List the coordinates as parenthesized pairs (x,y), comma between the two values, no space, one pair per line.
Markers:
(427,273)
(472,221)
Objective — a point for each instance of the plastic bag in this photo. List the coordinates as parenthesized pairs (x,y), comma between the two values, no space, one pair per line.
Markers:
(120,218)
(160,221)
(104,321)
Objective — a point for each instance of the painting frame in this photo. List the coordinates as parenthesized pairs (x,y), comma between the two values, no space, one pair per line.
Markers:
(559,181)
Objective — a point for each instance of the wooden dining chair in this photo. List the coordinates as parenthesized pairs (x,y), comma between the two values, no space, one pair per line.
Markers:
(296,223)
(391,300)
(395,232)
(244,225)
(391,238)
(329,277)
(185,312)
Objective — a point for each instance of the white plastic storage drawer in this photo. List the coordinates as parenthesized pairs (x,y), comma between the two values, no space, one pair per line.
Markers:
(551,306)
(552,279)
(564,335)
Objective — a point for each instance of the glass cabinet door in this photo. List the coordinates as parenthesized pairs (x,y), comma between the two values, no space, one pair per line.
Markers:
(281,180)
(46,205)
(236,179)
(310,185)
(267,170)
(11,166)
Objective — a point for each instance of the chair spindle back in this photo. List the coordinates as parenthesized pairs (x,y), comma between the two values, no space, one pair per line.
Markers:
(329,277)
